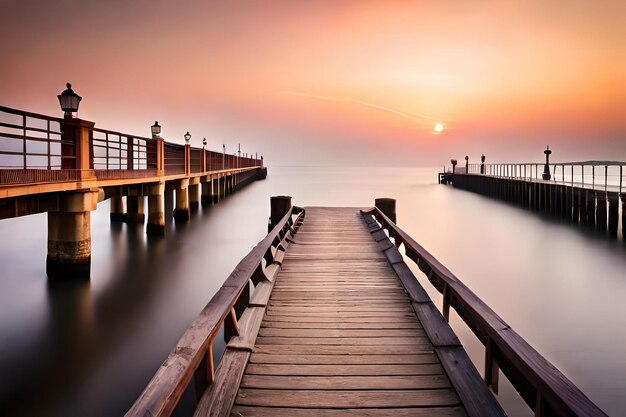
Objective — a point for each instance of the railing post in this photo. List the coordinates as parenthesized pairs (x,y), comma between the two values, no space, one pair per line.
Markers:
(187,159)
(79,132)
(130,152)
(387,206)
(279,206)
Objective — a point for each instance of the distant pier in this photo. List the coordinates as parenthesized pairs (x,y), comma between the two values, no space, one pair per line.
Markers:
(588,193)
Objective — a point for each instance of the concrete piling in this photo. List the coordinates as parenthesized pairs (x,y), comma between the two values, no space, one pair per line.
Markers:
(135,201)
(613,199)
(156,209)
(69,236)
(194,193)
(181,211)
(601,211)
(118,213)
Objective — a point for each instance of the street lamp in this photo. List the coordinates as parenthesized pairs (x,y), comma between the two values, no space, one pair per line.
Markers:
(482,164)
(187,138)
(203,142)
(466,164)
(69,101)
(156,129)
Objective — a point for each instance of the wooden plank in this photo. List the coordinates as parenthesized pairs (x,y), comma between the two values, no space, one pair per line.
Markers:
(347,398)
(423,358)
(437,328)
(467,382)
(249,325)
(218,398)
(343,350)
(325,325)
(351,341)
(346,382)
(344,370)
(251,411)
(261,294)
(345,333)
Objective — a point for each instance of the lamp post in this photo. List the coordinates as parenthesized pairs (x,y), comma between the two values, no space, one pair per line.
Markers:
(156,129)
(453,162)
(223,156)
(238,155)
(466,164)
(69,101)
(546,168)
(482,164)
(204,155)
(187,138)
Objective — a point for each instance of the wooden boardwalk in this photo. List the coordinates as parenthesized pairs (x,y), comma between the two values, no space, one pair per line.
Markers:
(340,336)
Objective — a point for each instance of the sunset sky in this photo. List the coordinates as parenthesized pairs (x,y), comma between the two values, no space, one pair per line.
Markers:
(329,82)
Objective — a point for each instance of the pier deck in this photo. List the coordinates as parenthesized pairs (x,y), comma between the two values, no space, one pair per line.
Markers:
(340,333)
(336,324)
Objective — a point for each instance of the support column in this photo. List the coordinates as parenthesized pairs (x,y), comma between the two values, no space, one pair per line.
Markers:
(118,213)
(613,213)
(207,196)
(590,209)
(194,194)
(69,236)
(623,196)
(601,211)
(134,201)
(181,212)
(156,209)
(279,206)
(215,190)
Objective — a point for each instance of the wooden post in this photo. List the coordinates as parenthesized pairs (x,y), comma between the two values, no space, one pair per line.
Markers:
(613,213)
(601,211)
(279,206)
(387,206)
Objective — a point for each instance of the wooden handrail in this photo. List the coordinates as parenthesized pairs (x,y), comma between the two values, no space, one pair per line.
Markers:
(194,349)
(544,388)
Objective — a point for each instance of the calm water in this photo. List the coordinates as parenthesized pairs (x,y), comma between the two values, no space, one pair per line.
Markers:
(89,348)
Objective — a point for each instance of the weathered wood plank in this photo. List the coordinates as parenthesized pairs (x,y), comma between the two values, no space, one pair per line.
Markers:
(343,350)
(347,398)
(351,341)
(251,411)
(423,358)
(218,399)
(345,333)
(344,370)
(346,382)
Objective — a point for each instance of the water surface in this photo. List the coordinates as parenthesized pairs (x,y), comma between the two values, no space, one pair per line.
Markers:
(89,348)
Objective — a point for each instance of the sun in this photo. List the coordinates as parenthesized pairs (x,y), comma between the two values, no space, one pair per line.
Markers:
(438,128)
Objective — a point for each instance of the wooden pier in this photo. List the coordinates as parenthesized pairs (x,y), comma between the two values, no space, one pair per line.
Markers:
(324,318)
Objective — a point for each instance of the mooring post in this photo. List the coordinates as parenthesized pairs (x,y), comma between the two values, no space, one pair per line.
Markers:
(69,235)
(387,206)
(279,206)
(156,209)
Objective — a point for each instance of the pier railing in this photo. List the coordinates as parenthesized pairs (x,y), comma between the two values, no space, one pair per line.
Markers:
(598,175)
(544,388)
(193,356)
(39,148)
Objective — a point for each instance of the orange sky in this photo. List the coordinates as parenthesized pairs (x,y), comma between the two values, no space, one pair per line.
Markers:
(327,82)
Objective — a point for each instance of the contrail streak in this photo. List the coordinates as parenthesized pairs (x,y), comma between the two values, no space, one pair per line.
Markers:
(418,118)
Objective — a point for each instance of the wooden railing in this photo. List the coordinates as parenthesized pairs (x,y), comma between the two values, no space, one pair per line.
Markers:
(32,142)
(598,175)
(544,388)
(192,358)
